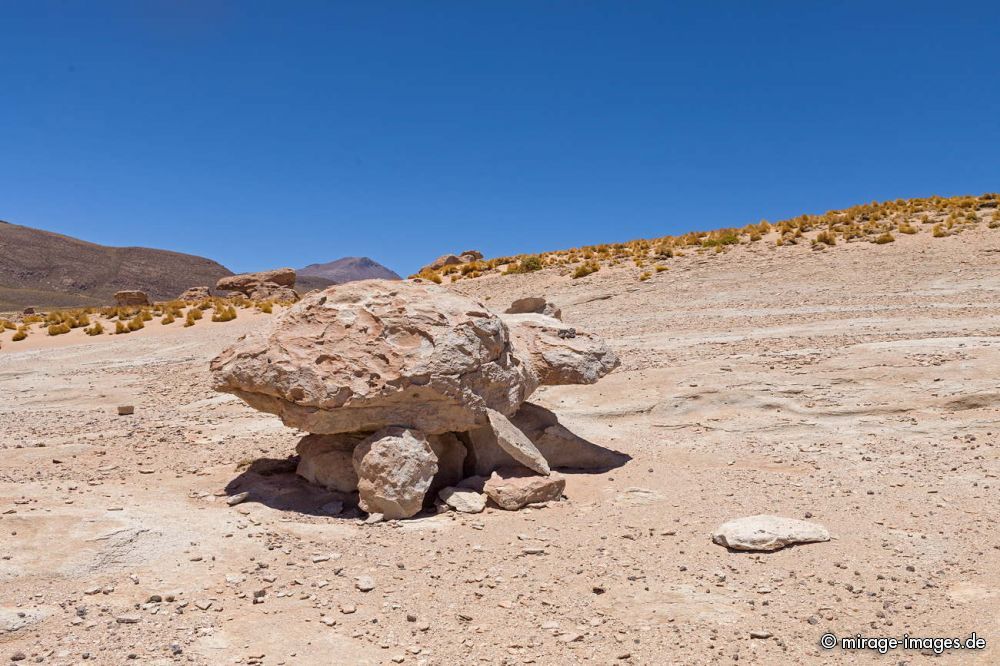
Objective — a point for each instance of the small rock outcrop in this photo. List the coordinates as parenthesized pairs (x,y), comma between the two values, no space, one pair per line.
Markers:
(274,285)
(195,294)
(466,257)
(413,392)
(131,298)
(767,533)
(534,305)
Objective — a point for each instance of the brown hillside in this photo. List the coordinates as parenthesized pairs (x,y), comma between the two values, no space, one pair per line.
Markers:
(51,270)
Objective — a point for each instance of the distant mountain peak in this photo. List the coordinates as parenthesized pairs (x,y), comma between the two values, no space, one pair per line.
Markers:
(349,269)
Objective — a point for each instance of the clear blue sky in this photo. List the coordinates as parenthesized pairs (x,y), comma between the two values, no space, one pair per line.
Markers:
(284,133)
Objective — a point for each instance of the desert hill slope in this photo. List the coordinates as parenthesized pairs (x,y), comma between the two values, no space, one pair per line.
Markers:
(877,223)
(51,270)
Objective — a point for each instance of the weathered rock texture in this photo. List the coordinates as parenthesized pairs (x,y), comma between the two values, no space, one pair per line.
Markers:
(360,356)
(395,467)
(131,298)
(559,354)
(408,388)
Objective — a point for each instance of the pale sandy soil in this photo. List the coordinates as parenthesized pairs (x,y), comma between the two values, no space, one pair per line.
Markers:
(859,386)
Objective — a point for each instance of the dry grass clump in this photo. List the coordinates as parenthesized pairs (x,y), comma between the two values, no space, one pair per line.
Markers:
(193,315)
(59,329)
(120,327)
(20,334)
(137,322)
(224,313)
(585,269)
(96,329)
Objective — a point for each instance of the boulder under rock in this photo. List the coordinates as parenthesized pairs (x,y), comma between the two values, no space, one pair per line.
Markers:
(559,354)
(131,298)
(197,294)
(513,488)
(363,355)
(534,305)
(328,460)
(395,467)
(767,533)
(499,441)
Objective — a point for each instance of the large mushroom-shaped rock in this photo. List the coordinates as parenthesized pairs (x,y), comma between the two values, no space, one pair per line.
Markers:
(557,353)
(395,468)
(131,298)
(364,355)
(243,282)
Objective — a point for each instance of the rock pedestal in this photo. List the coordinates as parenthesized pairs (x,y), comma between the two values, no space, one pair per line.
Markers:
(407,388)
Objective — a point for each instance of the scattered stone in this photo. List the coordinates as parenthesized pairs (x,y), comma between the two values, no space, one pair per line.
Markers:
(128,619)
(126,410)
(238,498)
(559,354)
(760,634)
(365,583)
(767,533)
(463,500)
(512,488)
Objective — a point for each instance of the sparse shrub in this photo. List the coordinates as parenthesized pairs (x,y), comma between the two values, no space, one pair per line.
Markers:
(938,232)
(266,307)
(136,323)
(224,313)
(167,319)
(660,268)
(884,238)
(645,276)
(120,327)
(193,315)
(527,265)
(7,324)
(826,238)
(96,329)
(906,228)
(59,329)
(20,334)
(585,269)
(145,315)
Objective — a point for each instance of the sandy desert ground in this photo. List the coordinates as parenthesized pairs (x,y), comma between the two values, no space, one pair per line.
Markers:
(858,387)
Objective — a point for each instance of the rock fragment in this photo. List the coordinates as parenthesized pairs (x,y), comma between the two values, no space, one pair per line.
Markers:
(463,500)
(513,488)
(767,533)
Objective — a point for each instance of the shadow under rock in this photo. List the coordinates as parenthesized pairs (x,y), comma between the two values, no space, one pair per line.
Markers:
(274,483)
(563,449)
